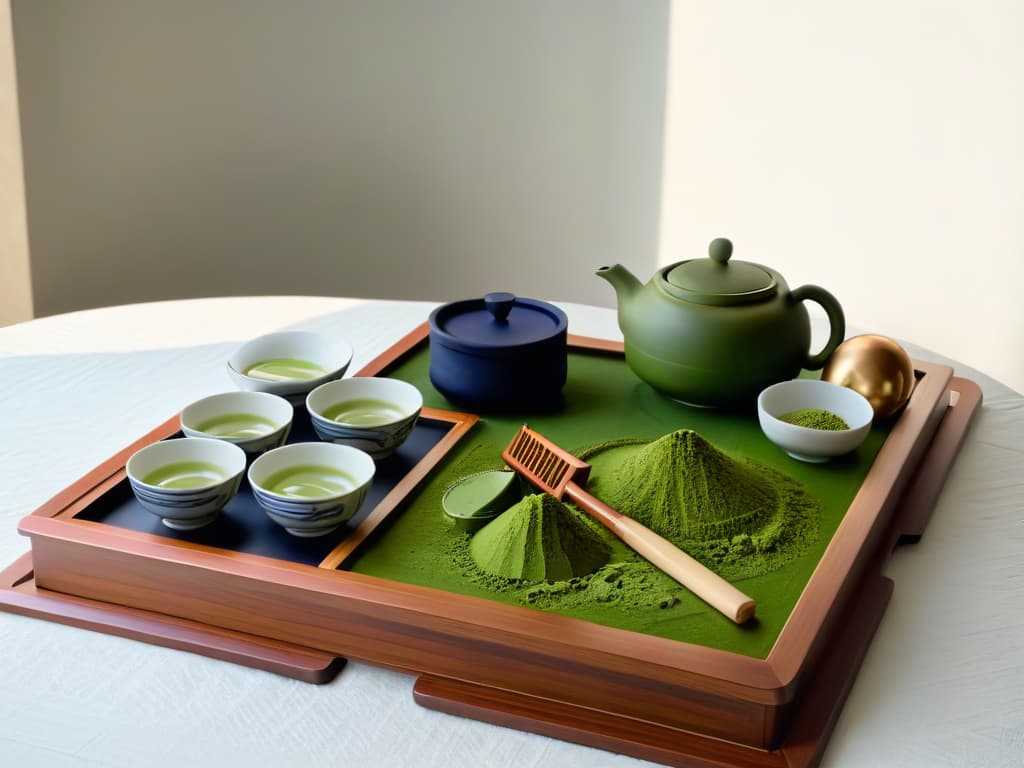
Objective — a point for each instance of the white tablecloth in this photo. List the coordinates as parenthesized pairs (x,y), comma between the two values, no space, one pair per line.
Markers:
(942,685)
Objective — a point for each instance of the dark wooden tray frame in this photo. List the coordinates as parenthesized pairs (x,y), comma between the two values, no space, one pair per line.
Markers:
(646,696)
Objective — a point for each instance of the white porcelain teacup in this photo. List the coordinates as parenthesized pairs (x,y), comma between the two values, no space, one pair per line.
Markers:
(254,421)
(311,488)
(186,481)
(289,363)
(374,414)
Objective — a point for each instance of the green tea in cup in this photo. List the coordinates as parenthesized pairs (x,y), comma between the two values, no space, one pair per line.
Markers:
(309,481)
(185,474)
(285,369)
(237,426)
(364,412)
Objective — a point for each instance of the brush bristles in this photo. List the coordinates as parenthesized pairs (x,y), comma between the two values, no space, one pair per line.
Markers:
(546,465)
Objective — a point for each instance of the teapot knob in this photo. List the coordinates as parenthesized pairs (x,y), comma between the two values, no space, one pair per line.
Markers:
(720,250)
(499,304)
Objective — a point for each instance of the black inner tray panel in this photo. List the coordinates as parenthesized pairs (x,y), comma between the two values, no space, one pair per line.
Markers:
(243,526)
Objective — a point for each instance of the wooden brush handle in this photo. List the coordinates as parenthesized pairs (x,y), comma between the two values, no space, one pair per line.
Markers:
(706,584)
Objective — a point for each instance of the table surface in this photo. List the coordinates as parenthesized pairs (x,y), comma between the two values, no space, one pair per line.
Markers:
(942,685)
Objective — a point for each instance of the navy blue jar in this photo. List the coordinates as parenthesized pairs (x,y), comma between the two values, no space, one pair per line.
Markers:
(499,353)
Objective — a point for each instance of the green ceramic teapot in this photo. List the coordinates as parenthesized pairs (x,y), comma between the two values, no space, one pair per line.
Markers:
(715,332)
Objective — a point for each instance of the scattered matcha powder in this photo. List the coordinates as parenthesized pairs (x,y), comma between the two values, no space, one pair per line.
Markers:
(815,418)
(629,583)
(737,516)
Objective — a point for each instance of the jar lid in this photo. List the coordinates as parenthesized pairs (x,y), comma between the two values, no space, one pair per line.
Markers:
(719,282)
(497,321)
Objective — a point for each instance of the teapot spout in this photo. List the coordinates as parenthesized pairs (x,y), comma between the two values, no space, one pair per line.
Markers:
(623,281)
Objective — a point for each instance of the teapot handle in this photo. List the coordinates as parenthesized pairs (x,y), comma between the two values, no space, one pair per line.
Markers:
(836,321)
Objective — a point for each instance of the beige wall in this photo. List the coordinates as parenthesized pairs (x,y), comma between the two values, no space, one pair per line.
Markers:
(394,148)
(15,285)
(439,150)
(874,147)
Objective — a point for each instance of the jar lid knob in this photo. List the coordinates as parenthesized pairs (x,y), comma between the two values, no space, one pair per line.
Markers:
(720,249)
(499,304)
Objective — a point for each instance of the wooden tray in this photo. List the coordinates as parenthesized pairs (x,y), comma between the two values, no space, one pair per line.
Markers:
(646,696)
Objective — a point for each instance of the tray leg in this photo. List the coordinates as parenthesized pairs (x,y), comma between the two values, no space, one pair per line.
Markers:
(918,500)
(590,727)
(19,594)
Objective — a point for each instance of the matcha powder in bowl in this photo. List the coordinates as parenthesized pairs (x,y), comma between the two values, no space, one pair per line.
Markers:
(737,516)
(816,418)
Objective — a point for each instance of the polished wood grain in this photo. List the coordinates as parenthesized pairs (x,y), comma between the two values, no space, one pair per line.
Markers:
(416,338)
(594,728)
(420,629)
(812,718)
(20,594)
(822,604)
(751,704)
(919,499)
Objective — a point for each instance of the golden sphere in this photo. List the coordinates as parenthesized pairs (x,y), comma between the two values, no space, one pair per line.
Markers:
(876,367)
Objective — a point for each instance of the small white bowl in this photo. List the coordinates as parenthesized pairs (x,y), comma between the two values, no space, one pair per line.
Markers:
(254,421)
(332,356)
(807,443)
(210,470)
(378,433)
(322,506)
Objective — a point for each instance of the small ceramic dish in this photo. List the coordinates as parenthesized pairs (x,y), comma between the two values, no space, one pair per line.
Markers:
(254,421)
(374,414)
(475,500)
(186,481)
(780,401)
(311,488)
(289,363)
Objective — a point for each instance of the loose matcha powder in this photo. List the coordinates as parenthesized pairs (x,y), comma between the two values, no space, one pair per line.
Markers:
(511,566)
(687,490)
(816,418)
(737,516)
(538,539)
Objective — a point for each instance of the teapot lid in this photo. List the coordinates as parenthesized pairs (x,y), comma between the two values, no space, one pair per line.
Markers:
(719,282)
(496,322)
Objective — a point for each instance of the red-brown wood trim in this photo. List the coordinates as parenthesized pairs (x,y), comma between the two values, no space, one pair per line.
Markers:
(921,495)
(818,710)
(471,617)
(360,623)
(463,422)
(396,351)
(19,594)
(855,540)
(73,495)
(591,343)
(592,727)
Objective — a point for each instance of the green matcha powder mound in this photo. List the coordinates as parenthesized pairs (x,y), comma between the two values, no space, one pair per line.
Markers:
(687,490)
(737,516)
(538,539)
